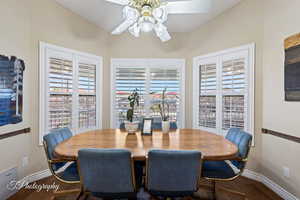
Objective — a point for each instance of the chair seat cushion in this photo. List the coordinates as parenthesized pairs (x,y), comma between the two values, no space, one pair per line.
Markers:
(217,169)
(70,173)
(57,166)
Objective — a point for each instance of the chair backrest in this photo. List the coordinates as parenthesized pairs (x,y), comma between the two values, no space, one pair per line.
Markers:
(243,140)
(106,171)
(173,173)
(52,139)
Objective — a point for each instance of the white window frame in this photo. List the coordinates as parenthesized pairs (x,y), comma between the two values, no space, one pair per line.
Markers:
(250,80)
(148,63)
(76,57)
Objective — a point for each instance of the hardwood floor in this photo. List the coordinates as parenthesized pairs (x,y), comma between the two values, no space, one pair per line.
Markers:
(253,190)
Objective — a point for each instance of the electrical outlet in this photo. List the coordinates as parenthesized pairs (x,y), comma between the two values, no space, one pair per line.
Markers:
(25,161)
(286,172)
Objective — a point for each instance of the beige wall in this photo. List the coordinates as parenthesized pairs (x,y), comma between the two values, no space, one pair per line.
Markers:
(27,23)
(16,40)
(281,20)
(251,21)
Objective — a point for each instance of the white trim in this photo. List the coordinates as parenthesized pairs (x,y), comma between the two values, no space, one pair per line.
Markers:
(270,184)
(148,63)
(215,58)
(75,56)
(36,176)
(226,51)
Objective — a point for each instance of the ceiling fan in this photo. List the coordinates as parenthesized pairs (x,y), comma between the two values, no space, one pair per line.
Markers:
(150,15)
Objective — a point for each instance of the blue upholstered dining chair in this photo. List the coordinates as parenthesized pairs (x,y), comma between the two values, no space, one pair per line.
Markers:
(70,174)
(229,170)
(106,173)
(171,173)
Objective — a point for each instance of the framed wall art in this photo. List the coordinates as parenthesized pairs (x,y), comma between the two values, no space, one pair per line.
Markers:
(11,90)
(292,68)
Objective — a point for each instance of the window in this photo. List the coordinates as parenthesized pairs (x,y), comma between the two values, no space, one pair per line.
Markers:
(69,89)
(150,77)
(224,90)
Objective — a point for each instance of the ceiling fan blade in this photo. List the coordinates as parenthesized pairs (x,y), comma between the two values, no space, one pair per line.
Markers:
(162,32)
(160,14)
(130,15)
(122,27)
(120,2)
(135,30)
(188,7)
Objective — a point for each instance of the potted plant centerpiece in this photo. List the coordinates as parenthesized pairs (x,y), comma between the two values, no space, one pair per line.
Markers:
(132,126)
(163,108)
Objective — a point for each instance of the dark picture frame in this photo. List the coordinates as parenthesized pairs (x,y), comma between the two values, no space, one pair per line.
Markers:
(147,126)
(11,90)
(292,68)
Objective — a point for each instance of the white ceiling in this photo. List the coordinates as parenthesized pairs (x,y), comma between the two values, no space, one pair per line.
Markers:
(108,16)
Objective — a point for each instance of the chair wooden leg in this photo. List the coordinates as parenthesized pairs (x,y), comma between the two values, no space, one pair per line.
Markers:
(80,195)
(214,190)
(86,197)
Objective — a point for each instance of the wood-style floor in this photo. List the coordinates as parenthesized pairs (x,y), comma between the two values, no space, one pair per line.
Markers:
(253,190)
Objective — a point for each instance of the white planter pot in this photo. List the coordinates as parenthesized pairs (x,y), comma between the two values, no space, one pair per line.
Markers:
(131,127)
(165,125)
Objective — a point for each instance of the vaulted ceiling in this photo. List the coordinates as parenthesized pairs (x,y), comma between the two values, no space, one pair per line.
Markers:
(107,15)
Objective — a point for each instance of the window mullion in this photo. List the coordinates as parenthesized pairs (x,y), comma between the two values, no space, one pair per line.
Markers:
(219,96)
(147,92)
(47,93)
(246,93)
(75,95)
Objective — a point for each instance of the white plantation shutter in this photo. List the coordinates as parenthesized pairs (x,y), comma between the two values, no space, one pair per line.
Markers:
(208,94)
(234,91)
(87,95)
(60,93)
(126,81)
(69,90)
(148,76)
(223,90)
(160,79)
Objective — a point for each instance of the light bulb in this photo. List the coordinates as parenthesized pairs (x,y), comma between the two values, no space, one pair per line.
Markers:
(146,23)
(146,27)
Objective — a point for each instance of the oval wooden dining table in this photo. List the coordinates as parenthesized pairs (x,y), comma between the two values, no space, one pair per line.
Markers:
(212,146)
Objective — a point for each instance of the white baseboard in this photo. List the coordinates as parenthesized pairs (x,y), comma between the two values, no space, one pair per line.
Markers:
(270,184)
(36,176)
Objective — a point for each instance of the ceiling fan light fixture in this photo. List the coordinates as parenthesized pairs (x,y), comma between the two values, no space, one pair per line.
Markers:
(146,23)
(135,30)
(162,32)
(146,10)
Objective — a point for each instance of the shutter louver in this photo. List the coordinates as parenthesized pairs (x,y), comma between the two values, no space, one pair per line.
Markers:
(233,112)
(87,95)
(233,76)
(60,88)
(234,88)
(126,81)
(169,79)
(207,99)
